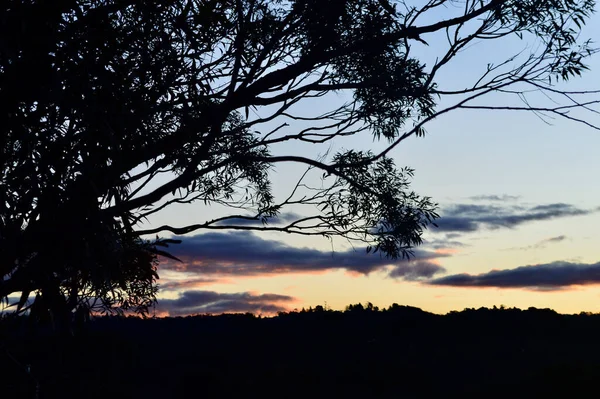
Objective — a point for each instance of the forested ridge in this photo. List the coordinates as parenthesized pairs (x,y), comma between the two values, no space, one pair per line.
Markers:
(365,352)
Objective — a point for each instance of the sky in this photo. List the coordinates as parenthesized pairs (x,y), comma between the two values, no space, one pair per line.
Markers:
(519,204)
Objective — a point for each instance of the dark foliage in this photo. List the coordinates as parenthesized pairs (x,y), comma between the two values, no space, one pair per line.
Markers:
(360,353)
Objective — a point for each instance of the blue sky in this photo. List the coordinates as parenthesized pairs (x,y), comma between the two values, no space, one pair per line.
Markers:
(526,191)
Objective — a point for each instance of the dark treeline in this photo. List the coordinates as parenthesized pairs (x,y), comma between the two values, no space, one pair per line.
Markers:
(362,352)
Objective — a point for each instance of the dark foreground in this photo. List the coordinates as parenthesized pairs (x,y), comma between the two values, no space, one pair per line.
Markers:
(398,353)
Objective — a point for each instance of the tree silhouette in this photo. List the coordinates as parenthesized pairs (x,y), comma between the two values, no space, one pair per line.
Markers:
(116,110)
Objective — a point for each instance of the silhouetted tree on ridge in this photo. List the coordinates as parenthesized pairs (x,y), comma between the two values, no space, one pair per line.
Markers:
(105,98)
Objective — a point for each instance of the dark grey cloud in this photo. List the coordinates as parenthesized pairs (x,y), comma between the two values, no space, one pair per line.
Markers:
(503,197)
(416,270)
(451,236)
(242,253)
(555,239)
(473,217)
(203,302)
(543,277)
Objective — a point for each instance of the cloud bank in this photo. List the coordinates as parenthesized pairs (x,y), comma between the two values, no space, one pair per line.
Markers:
(244,254)
(466,218)
(549,276)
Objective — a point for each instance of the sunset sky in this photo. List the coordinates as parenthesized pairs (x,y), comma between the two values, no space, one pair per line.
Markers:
(520,207)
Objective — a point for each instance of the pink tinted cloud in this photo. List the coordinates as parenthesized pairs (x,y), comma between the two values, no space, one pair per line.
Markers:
(211,302)
(175,285)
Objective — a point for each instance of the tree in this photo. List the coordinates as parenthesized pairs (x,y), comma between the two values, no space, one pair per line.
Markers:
(118,109)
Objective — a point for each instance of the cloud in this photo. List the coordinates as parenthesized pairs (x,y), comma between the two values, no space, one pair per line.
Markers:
(542,243)
(555,239)
(473,217)
(416,270)
(443,243)
(242,253)
(543,277)
(202,302)
(9,307)
(502,197)
(175,285)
